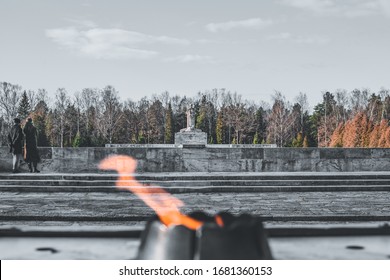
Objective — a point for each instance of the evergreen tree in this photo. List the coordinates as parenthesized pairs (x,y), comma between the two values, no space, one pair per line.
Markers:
(298,141)
(336,140)
(256,138)
(77,140)
(307,132)
(168,139)
(260,126)
(201,118)
(305,142)
(220,129)
(382,132)
(376,139)
(205,118)
(357,131)
(39,118)
(24,109)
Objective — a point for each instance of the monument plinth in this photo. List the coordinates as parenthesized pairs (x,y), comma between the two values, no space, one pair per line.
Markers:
(190,135)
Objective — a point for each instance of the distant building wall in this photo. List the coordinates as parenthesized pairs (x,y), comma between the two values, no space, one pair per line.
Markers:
(212,159)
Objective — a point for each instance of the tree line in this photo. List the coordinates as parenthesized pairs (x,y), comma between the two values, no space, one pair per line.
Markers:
(93,117)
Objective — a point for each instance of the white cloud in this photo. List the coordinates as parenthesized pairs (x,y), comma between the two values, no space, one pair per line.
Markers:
(346,8)
(109,43)
(310,40)
(190,58)
(314,5)
(252,23)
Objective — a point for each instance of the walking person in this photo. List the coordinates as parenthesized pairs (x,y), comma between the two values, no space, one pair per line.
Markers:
(15,140)
(31,153)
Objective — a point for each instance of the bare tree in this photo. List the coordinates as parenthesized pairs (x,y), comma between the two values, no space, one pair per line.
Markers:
(9,98)
(303,103)
(384,95)
(88,100)
(110,113)
(280,121)
(359,100)
(42,95)
(342,103)
(61,104)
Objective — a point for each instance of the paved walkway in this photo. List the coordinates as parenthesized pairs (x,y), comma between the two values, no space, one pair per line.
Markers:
(66,206)
(52,199)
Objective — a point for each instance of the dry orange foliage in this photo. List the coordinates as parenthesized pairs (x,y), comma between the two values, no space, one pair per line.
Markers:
(361,132)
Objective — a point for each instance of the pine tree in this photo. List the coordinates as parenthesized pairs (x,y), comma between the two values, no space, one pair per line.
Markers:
(374,137)
(356,132)
(387,136)
(219,129)
(260,126)
(298,141)
(168,125)
(352,132)
(305,142)
(366,127)
(336,140)
(77,140)
(155,117)
(256,138)
(24,109)
(382,132)
(202,115)
(39,118)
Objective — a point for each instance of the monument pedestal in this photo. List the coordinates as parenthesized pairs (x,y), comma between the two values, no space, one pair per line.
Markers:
(195,138)
(191,136)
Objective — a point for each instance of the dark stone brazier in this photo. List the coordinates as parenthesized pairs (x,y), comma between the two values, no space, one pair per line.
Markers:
(239,238)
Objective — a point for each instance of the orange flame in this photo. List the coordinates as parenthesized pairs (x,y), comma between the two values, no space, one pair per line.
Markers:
(219,220)
(165,205)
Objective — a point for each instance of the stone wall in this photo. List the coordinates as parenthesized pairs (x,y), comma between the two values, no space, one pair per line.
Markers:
(212,159)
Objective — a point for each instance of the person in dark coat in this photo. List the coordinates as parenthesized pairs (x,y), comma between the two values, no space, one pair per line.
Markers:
(15,141)
(31,153)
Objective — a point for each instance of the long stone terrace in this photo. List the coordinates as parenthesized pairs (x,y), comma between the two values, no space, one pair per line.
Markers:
(49,215)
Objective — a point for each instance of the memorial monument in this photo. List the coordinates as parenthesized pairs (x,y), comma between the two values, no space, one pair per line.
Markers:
(190,135)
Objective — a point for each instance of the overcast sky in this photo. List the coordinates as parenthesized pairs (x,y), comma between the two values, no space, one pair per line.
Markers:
(147,47)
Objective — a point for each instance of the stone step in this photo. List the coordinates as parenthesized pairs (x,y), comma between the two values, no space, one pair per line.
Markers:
(218,176)
(275,197)
(203,183)
(197,189)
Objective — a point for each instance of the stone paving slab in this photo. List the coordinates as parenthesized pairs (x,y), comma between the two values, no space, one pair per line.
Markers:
(125,206)
(201,189)
(201,183)
(198,174)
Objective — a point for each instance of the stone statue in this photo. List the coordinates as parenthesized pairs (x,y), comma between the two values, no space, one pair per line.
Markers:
(191,118)
(191,135)
(190,121)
